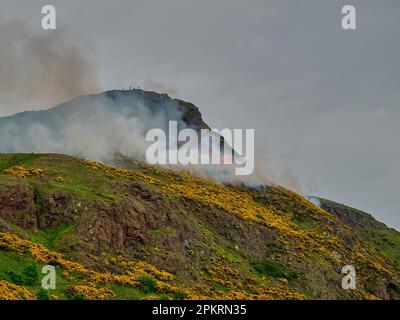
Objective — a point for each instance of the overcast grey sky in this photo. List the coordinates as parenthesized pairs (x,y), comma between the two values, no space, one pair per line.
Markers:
(324,101)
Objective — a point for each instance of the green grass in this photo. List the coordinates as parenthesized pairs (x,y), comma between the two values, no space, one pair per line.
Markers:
(14,267)
(161,232)
(228,253)
(147,288)
(273,269)
(220,245)
(79,179)
(127,293)
(17,159)
(304,224)
(130,293)
(52,238)
(387,242)
(148,284)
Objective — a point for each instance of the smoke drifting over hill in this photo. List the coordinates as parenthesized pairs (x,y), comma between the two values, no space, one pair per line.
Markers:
(101,126)
(94,126)
(40,69)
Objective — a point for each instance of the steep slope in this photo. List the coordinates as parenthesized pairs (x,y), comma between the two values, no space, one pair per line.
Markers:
(384,239)
(147,232)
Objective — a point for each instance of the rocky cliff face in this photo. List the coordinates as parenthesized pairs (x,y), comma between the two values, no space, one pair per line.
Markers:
(186,237)
(354,218)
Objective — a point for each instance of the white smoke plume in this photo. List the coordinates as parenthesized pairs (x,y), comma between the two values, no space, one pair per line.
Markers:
(41,69)
(93,126)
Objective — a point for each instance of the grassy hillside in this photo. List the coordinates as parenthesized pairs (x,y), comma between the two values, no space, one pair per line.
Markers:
(146,232)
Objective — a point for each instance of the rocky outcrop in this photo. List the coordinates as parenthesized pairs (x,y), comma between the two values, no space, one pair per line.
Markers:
(17,206)
(354,218)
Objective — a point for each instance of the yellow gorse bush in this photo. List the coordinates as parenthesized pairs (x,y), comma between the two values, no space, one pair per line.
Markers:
(235,287)
(93,284)
(304,243)
(198,193)
(91,279)
(22,172)
(90,292)
(10,291)
(234,201)
(131,174)
(60,179)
